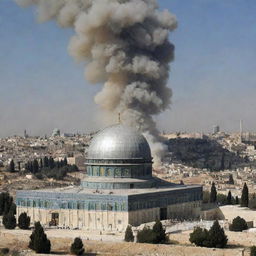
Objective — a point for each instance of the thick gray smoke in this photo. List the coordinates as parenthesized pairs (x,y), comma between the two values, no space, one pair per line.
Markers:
(125,46)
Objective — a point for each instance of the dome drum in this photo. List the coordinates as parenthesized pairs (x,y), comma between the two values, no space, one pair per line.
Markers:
(115,153)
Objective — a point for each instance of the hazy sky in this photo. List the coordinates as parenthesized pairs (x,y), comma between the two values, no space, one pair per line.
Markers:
(213,76)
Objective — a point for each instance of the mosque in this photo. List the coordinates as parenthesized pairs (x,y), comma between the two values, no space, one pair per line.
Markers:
(118,189)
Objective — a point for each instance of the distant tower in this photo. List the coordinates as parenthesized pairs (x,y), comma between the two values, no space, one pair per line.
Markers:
(241,130)
(216,129)
(25,134)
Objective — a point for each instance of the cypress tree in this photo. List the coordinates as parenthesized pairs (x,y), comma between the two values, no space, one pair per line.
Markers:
(231,180)
(229,197)
(24,221)
(6,202)
(38,240)
(213,194)
(35,166)
(65,161)
(129,237)
(46,162)
(160,232)
(77,248)
(245,196)
(237,200)
(12,166)
(9,221)
(217,237)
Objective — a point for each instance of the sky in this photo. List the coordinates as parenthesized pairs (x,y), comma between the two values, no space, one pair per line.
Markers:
(213,77)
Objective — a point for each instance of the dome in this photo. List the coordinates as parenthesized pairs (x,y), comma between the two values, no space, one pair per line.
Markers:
(119,142)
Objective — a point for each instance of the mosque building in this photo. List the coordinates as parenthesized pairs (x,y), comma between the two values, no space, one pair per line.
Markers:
(118,189)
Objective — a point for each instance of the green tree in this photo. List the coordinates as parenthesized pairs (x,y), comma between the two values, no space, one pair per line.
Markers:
(159,232)
(77,248)
(221,199)
(35,166)
(199,237)
(46,162)
(245,196)
(253,251)
(9,221)
(229,197)
(213,194)
(217,237)
(38,240)
(231,179)
(146,235)
(6,203)
(24,221)
(238,224)
(65,162)
(129,237)
(12,166)
(237,200)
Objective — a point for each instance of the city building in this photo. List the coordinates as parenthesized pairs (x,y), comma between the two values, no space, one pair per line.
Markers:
(118,189)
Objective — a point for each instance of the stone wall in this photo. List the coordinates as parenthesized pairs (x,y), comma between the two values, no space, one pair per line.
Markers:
(79,219)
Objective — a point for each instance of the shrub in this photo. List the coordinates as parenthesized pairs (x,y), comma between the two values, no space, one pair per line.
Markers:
(38,240)
(238,224)
(77,248)
(4,251)
(199,237)
(24,221)
(215,237)
(129,237)
(253,251)
(146,235)
(9,221)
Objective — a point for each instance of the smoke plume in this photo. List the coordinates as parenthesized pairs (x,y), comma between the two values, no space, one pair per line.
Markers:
(125,46)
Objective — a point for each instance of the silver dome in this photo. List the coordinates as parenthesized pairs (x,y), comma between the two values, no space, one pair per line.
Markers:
(119,142)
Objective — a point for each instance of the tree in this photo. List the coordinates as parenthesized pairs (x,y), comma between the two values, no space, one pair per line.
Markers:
(65,162)
(217,237)
(213,194)
(146,235)
(129,237)
(35,166)
(231,179)
(160,232)
(46,162)
(38,240)
(12,166)
(237,200)
(77,248)
(245,196)
(253,251)
(238,224)
(6,202)
(199,237)
(229,197)
(24,221)
(9,221)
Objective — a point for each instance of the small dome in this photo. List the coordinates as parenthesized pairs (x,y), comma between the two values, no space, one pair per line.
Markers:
(119,142)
